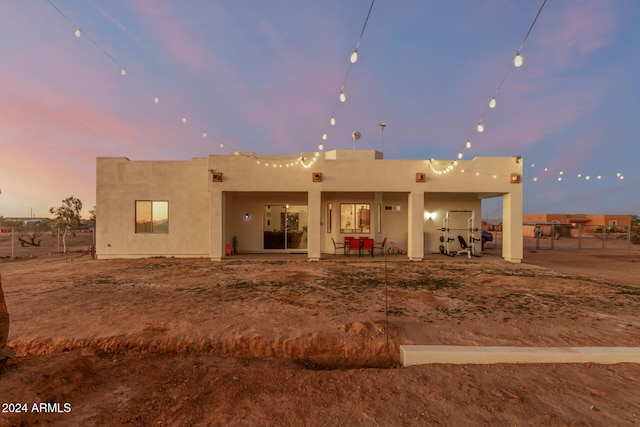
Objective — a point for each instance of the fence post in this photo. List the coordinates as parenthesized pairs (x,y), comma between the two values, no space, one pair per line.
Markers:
(604,236)
(628,237)
(580,236)
(553,235)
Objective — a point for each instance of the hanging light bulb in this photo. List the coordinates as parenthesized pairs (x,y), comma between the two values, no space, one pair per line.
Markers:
(320,147)
(324,136)
(222,145)
(354,57)
(518,60)
(621,177)
(559,178)
(78,33)
(468,145)
(459,154)
(156,99)
(492,103)
(342,96)
(480,127)
(123,71)
(204,134)
(184,119)
(332,121)
(599,177)
(535,179)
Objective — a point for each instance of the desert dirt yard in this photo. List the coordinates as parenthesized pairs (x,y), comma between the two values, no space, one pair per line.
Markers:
(276,340)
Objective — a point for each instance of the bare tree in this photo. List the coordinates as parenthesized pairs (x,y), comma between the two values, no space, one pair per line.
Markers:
(67,217)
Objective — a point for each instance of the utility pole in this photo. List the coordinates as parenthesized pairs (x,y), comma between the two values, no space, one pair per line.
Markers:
(382,126)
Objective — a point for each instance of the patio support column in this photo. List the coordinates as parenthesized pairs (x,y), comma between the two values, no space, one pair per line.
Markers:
(415,237)
(216,224)
(512,226)
(314,224)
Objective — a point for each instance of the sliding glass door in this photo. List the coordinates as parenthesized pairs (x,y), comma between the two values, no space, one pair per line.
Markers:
(285,227)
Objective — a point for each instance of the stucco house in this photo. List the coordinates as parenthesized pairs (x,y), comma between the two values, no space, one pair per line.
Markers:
(261,204)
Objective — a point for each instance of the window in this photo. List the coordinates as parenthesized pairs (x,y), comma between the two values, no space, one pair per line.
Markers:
(613,223)
(152,216)
(355,218)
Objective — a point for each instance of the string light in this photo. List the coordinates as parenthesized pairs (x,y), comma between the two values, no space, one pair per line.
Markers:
(307,162)
(518,60)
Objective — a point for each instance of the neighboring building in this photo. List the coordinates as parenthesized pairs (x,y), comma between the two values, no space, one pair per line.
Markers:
(588,222)
(200,207)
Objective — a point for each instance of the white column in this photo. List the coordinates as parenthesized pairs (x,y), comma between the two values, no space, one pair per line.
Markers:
(415,237)
(512,225)
(216,225)
(314,228)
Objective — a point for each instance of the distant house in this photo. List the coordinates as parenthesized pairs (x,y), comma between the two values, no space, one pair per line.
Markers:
(266,204)
(588,222)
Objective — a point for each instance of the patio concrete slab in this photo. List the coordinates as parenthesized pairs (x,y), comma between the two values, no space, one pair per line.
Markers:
(426,354)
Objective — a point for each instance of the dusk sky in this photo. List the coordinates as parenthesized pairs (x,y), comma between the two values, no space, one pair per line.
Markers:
(264,76)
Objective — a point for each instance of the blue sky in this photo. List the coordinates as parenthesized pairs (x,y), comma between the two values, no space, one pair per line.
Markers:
(264,76)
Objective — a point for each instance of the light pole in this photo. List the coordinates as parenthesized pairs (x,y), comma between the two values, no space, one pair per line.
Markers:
(382,126)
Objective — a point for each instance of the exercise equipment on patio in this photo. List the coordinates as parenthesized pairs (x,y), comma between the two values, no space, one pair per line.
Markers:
(449,230)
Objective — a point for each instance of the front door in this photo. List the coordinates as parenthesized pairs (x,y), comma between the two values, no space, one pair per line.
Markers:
(285,227)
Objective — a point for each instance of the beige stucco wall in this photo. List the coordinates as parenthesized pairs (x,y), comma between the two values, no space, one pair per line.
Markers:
(205,215)
(183,184)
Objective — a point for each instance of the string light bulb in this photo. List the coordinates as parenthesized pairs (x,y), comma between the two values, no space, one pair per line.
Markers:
(342,97)
(204,134)
(324,136)
(332,121)
(459,154)
(184,119)
(354,57)
(492,103)
(78,33)
(468,145)
(156,99)
(518,60)
(123,71)
(480,127)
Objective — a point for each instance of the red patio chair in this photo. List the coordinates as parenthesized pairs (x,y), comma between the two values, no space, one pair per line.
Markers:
(367,245)
(354,245)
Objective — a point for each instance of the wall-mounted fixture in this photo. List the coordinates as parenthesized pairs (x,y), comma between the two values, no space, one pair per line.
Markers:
(316,177)
(247,216)
(215,176)
(421,177)
(429,216)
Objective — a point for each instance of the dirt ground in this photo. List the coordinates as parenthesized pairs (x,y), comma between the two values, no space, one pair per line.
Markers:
(277,340)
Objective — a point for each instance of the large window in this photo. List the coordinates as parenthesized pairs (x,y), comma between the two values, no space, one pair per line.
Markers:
(355,218)
(152,216)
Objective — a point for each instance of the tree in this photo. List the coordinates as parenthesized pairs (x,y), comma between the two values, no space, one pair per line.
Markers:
(67,217)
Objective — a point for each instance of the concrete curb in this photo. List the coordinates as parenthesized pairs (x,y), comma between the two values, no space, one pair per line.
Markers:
(427,354)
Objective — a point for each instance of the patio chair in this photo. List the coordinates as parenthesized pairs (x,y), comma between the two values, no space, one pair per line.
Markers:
(337,246)
(367,245)
(354,245)
(382,246)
